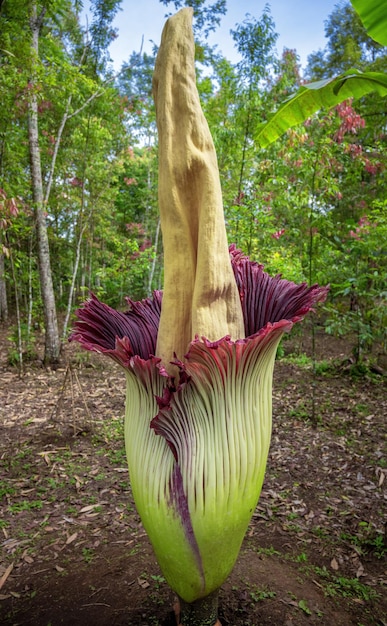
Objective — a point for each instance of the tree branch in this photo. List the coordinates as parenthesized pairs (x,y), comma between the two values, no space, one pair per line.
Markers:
(67,116)
(56,150)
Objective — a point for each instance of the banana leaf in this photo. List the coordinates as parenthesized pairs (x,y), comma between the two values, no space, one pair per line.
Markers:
(373,14)
(311,98)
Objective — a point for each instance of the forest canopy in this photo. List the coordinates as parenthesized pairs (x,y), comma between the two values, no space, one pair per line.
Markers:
(78,167)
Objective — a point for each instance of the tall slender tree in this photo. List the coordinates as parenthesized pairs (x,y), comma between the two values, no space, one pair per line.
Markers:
(44,52)
(52,339)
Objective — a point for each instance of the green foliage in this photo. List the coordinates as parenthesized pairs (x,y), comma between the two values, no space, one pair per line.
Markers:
(25,505)
(88,554)
(207,15)
(348,46)
(258,595)
(374,17)
(85,149)
(340,586)
(101,30)
(27,340)
(255,40)
(368,539)
(310,206)
(304,607)
(312,97)
(358,304)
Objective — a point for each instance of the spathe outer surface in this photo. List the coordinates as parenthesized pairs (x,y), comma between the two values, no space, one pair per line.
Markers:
(197,446)
(199,358)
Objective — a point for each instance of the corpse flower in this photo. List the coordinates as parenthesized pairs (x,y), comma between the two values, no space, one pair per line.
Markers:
(198,357)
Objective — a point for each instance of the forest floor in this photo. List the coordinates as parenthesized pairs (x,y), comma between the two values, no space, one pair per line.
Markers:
(74,551)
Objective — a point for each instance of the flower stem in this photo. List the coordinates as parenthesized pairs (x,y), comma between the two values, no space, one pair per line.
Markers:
(202,612)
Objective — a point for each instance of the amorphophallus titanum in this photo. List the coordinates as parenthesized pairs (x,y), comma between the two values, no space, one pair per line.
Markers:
(198,358)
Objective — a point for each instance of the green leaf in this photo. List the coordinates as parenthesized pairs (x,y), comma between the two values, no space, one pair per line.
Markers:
(373,14)
(304,607)
(321,94)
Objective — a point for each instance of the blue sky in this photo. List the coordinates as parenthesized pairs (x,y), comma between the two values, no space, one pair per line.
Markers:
(299,23)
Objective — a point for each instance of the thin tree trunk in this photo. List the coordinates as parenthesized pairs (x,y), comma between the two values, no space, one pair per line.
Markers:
(311,263)
(153,266)
(243,161)
(90,267)
(3,287)
(245,141)
(30,292)
(73,280)
(82,228)
(52,341)
(56,149)
(18,317)
(3,284)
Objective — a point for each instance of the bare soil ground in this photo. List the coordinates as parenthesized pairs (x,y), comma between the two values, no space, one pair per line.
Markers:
(73,548)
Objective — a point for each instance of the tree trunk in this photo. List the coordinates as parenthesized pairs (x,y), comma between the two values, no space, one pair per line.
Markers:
(18,317)
(154,261)
(3,290)
(73,281)
(52,341)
